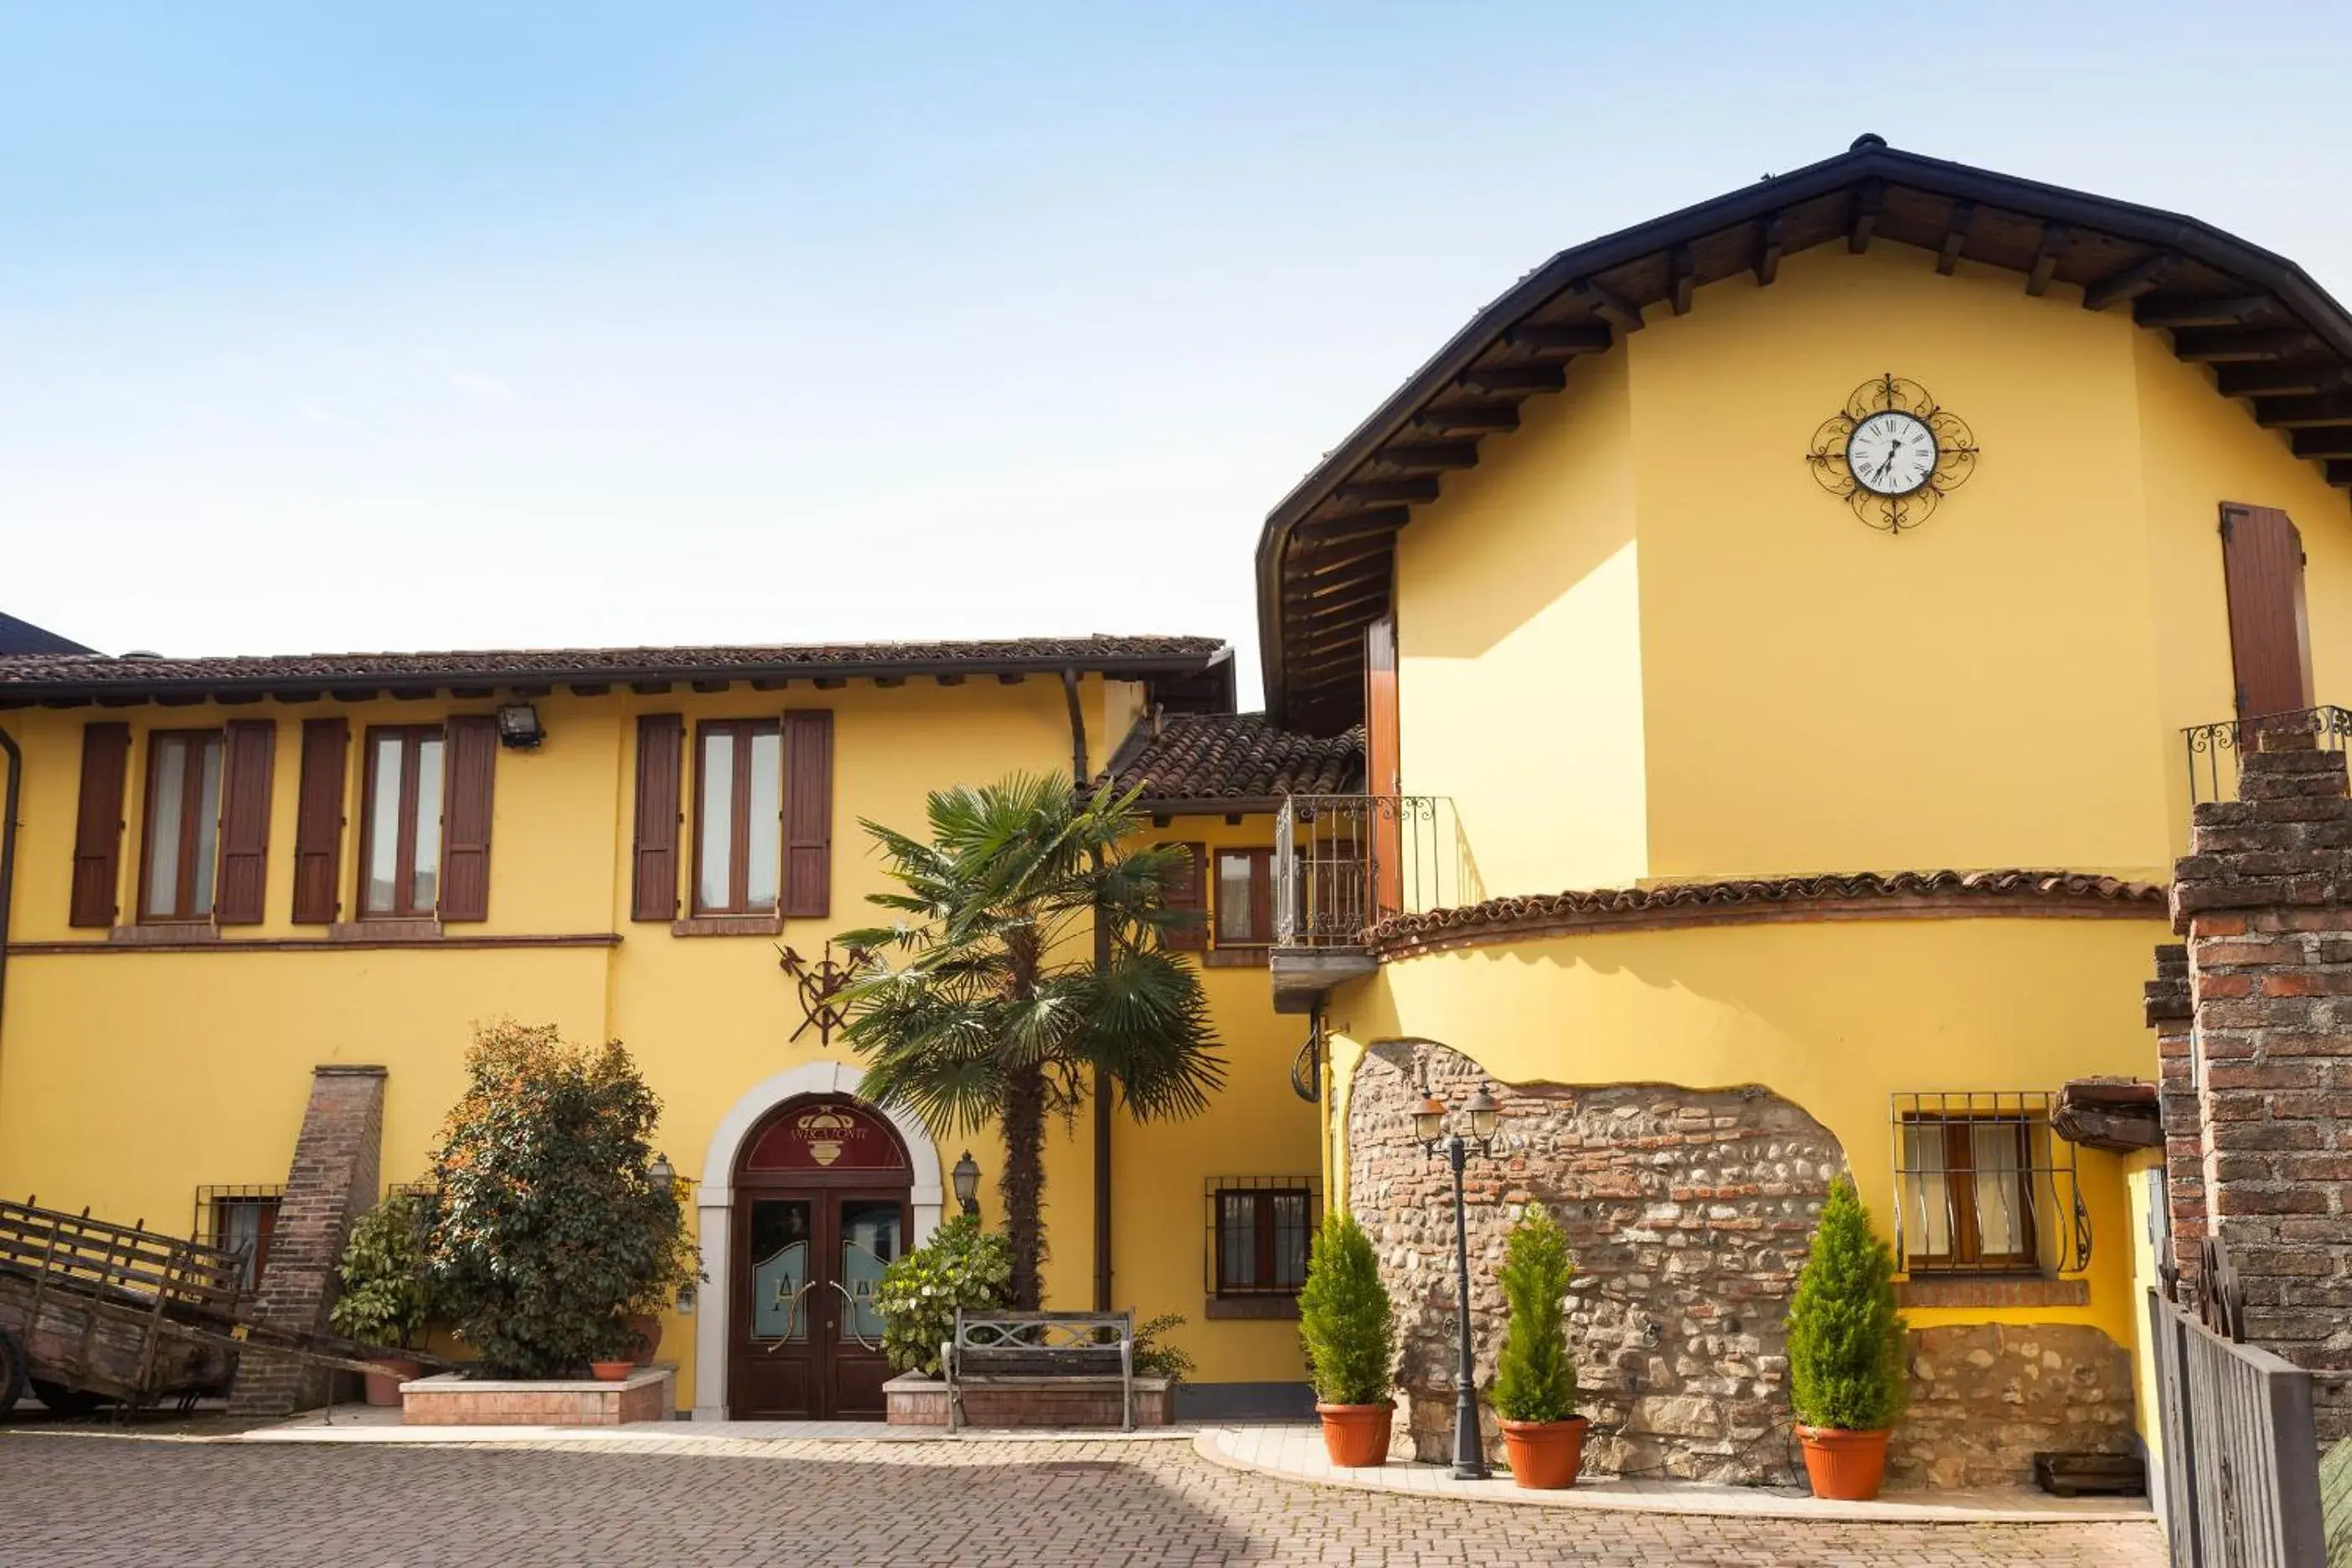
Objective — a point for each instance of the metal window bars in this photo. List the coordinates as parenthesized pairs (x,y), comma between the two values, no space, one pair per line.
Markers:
(238,1218)
(1343,863)
(2214,749)
(1983,1185)
(1294,1226)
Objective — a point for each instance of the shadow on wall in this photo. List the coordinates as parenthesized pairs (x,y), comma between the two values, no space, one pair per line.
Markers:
(1688,1212)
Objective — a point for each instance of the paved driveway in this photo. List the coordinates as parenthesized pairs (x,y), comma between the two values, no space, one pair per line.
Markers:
(68,1501)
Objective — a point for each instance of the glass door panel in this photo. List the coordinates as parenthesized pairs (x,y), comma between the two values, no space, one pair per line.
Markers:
(781,1250)
(869,1244)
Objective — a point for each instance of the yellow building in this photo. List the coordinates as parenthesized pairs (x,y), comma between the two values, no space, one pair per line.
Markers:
(1730,702)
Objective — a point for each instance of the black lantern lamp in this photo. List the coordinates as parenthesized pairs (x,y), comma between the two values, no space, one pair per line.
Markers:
(519,727)
(1429,1126)
(660,1176)
(966,1177)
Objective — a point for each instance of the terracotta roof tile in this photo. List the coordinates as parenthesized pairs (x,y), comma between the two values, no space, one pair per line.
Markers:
(68,673)
(1238,756)
(1786,898)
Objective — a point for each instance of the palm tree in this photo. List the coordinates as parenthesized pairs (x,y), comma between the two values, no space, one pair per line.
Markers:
(983,1002)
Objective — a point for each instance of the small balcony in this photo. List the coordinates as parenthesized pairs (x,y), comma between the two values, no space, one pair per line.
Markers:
(2214,749)
(1342,864)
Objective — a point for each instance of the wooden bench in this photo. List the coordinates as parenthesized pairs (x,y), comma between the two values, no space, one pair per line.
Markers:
(1084,1349)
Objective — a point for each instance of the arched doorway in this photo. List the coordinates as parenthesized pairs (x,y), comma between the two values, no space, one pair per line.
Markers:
(822,1204)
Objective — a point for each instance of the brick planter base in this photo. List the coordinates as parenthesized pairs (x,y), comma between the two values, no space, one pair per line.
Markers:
(913,1400)
(454,1400)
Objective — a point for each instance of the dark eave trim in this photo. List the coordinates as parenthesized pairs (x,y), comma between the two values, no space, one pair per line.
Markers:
(2073,211)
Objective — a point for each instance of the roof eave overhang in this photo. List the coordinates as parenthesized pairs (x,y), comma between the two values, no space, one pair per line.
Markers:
(2318,311)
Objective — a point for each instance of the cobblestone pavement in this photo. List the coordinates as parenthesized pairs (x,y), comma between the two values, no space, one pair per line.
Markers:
(71,1502)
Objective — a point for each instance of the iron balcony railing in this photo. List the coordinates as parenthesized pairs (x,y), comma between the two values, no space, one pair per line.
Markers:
(1343,863)
(2214,749)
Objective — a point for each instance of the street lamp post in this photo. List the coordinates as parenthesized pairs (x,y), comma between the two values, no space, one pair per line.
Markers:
(1429,1123)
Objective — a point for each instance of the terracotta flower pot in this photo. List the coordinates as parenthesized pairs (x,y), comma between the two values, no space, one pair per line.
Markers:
(612,1371)
(1845,1467)
(647,1327)
(1544,1455)
(383,1387)
(1356,1436)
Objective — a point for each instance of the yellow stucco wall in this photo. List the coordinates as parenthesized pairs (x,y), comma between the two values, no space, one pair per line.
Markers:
(1834,1016)
(1639,641)
(128,1079)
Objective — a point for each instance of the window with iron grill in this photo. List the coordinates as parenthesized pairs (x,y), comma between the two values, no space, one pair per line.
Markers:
(1983,1186)
(1260,1228)
(239,1219)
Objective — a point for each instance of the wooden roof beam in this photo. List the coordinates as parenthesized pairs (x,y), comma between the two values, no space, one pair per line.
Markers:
(1684,271)
(2297,413)
(2142,277)
(2216,345)
(1509,378)
(2295,376)
(1561,337)
(1373,493)
(2331,441)
(2339,473)
(1620,312)
(2175,311)
(1332,530)
(2046,258)
(1468,418)
(1421,457)
(1869,201)
(1343,591)
(1772,240)
(1956,236)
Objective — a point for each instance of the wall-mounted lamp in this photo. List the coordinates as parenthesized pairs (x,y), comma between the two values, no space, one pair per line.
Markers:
(519,726)
(660,1176)
(966,1177)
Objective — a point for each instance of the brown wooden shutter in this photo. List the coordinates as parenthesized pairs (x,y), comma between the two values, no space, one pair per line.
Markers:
(98,826)
(248,756)
(1188,892)
(661,738)
(473,761)
(1382,775)
(319,821)
(808,813)
(2270,632)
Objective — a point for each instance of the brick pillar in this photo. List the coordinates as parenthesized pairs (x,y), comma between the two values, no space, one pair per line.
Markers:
(2264,898)
(333,1179)
(2171,1014)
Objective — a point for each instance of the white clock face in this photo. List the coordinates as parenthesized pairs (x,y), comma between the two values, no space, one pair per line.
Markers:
(1891,453)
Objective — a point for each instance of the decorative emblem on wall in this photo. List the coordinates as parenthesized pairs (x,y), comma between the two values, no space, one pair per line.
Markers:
(1891,454)
(818,984)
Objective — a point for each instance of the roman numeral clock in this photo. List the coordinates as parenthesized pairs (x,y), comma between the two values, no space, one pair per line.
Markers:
(1891,453)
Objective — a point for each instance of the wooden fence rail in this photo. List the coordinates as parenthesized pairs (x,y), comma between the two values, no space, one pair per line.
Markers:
(2240,1449)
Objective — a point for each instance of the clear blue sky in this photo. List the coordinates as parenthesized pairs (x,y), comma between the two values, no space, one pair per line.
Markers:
(429,325)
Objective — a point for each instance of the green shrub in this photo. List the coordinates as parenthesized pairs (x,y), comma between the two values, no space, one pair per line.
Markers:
(1154,1358)
(1845,1339)
(1535,1378)
(385,1297)
(961,1265)
(1344,1318)
(550,1229)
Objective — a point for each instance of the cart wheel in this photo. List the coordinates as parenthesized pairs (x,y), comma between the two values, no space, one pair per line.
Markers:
(64,1400)
(12,1371)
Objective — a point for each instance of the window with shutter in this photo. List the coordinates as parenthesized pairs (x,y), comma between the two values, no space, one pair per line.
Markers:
(2270,632)
(400,822)
(319,822)
(252,754)
(654,882)
(97,824)
(179,851)
(808,813)
(1186,891)
(465,829)
(738,808)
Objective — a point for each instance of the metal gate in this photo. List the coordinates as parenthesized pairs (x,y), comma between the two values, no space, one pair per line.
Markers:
(2240,1448)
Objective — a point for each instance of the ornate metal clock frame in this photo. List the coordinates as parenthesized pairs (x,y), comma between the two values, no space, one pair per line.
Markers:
(1956,453)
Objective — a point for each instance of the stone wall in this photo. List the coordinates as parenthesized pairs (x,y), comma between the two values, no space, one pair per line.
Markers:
(1985,1397)
(1688,1213)
(2264,898)
(333,1178)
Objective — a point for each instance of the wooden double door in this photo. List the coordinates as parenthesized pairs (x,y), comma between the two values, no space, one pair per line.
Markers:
(807,1338)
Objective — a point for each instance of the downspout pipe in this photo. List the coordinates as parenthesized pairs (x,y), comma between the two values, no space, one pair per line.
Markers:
(8,856)
(1082,776)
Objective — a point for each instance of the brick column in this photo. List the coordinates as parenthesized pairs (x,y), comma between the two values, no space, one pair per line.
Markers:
(2264,898)
(2171,1013)
(332,1181)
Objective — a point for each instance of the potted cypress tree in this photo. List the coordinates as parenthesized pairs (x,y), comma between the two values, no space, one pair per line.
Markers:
(1349,1333)
(1534,1379)
(1845,1351)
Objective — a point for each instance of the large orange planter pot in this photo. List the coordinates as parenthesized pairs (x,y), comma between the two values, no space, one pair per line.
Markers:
(1356,1436)
(383,1387)
(1544,1455)
(1845,1467)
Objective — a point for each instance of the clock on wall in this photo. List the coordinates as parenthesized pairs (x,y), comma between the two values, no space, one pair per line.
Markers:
(1891,454)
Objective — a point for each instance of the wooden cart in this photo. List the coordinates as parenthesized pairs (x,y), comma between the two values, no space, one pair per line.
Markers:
(91,1311)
